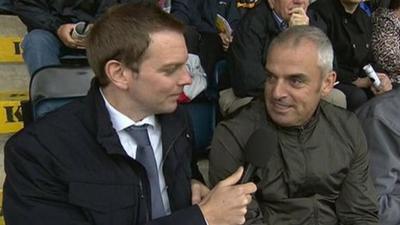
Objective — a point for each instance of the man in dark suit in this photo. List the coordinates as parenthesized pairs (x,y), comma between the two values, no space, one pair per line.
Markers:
(121,155)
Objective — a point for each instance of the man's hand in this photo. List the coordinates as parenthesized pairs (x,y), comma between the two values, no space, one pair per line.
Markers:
(298,17)
(363,82)
(386,84)
(64,33)
(199,191)
(226,203)
(226,40)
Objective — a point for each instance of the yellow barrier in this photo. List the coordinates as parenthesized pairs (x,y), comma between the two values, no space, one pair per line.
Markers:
(10,49)
(11,112)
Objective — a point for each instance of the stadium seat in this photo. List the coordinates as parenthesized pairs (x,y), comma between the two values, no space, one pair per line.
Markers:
(203,112)
(203,118)
(54,86)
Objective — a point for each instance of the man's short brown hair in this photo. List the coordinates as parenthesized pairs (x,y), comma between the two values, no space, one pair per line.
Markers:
(123,34)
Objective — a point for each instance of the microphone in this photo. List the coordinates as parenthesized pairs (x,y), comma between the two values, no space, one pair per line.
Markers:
(257,151)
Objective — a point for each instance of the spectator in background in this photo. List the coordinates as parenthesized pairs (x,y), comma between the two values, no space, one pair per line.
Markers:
(6,7)
(251,39)
(375,4)
(122,154)
(316,172)
(380,120)
(386,39)
(233,11)
(349,29)
(200,17)
(50,25)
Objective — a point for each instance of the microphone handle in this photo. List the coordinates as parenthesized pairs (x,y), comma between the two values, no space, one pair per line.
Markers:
(247,174)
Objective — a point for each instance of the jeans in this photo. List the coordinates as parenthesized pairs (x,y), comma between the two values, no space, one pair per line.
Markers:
(42,48)
(6,5)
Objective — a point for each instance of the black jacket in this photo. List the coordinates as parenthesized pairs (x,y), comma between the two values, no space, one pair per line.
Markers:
(202,14)
(350,35)
(317,174)
(50,14)
(247,54)
(70,168)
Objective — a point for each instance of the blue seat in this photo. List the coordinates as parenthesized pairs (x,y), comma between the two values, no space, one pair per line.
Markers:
(203,112)
(203,118)
(52,87)
(74,60)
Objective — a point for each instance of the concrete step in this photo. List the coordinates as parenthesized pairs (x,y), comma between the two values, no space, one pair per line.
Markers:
(13,73)
(14,77)
(11,26)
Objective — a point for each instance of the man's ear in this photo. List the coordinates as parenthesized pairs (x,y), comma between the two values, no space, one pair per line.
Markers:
(328,83)
(117,74)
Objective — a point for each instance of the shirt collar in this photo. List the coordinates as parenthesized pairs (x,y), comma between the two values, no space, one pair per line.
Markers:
(121,121)
(282,24)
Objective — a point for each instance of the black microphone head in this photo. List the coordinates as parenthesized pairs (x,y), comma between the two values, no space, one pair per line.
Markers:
(260,146)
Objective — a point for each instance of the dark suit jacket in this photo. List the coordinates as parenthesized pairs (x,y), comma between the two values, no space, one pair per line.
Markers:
(70,168)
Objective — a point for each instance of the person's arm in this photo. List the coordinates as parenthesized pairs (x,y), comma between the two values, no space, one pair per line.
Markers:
(383,146)
(385,46)
(36,192)
(35,14)
(245,57)
(225,156)
(357,201)
(33,192)
(184,11)
(232,14)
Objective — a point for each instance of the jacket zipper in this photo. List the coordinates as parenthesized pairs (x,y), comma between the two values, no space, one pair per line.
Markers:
(315,211)
(144,200)
(142,193)
(170,146)
(315,208)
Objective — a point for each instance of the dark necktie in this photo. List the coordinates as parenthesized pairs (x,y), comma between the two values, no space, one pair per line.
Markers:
(283,25)
(145,156)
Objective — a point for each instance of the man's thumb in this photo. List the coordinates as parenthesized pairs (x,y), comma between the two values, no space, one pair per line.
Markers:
(232,179)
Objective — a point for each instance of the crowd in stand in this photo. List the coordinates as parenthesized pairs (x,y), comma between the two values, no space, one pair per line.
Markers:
(293,68)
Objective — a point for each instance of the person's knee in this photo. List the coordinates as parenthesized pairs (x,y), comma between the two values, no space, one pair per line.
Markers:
(40,48)
(40,39)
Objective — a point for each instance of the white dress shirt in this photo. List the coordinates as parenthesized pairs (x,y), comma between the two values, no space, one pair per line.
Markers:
(120,122)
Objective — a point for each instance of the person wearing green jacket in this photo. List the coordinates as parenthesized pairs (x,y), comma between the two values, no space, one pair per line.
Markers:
(317,171)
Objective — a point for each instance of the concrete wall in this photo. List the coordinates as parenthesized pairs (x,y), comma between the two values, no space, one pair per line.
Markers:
(13,75)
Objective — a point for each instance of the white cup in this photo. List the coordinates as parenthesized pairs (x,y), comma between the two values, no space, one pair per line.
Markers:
(81,30)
